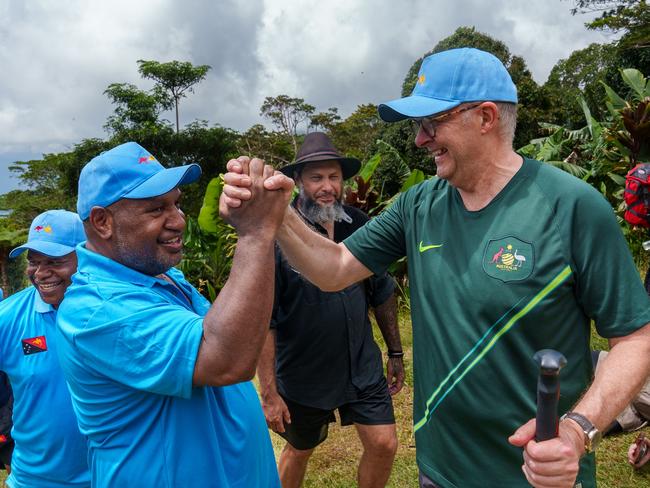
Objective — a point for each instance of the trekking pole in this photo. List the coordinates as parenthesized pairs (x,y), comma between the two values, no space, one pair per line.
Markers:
(548,392)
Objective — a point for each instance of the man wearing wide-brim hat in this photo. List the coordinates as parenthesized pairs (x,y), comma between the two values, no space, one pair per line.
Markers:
(320,355)
(506,256)
(317,147)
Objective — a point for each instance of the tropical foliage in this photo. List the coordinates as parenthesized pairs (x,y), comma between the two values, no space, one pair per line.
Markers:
(603,151)
(209,245)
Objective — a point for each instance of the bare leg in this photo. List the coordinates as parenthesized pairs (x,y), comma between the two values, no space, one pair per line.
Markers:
(379,448)
(293,465)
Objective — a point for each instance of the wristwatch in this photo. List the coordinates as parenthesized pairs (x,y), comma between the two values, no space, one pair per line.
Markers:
(592,434)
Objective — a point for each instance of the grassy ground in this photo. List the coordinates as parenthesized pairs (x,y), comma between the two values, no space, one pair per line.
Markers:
(334,463)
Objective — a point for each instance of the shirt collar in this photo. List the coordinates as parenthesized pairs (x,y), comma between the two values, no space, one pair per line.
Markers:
(40,306)
(99,265)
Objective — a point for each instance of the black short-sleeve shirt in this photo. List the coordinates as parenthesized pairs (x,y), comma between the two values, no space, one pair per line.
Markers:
(325,352)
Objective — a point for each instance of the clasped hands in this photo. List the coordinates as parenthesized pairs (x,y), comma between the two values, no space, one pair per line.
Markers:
(255,196)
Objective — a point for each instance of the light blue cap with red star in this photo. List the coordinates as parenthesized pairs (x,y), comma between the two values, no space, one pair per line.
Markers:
(53,233)
(128,171)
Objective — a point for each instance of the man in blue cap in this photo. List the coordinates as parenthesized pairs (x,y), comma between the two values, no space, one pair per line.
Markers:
(49,450)
(507,256)
(158,376)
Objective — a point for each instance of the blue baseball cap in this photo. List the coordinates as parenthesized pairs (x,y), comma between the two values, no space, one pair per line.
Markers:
(449,78)
(128,171)
(53,233)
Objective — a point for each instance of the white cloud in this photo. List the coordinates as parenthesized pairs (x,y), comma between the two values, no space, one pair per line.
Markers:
(57,58)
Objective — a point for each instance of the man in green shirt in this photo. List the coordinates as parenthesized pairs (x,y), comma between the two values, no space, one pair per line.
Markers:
(506,256)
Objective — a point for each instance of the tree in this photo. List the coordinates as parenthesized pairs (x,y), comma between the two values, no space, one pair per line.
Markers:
(356,134)
(11,276)
(580,75)
(606,6)
(50,182)
(174,79)
(276,148)
(134,108)
(630,17)
(325,121)
(209,147)
(287,113)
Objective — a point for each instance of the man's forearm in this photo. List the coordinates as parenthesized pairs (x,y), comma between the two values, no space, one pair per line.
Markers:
(235,328)
(386,316)
(622,374)
(328,265)
(266,366)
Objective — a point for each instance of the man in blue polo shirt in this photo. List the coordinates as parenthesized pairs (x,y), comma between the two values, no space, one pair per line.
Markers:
(49,451)
(158,376)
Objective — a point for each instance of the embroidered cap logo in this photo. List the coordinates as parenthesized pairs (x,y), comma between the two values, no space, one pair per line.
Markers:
(145,159)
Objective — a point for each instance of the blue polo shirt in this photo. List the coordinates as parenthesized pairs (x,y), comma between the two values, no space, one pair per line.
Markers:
(50,451)
(128,345)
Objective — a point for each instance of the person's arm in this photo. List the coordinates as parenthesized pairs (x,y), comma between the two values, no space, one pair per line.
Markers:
(275,409)
(328,265)
(554,463)
(628,359)
(386,316)
(235,327)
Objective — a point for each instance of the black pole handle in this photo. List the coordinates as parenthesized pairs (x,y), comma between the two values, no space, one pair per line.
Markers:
(548,392)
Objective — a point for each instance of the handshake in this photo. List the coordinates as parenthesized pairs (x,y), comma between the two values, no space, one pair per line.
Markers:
(255,197)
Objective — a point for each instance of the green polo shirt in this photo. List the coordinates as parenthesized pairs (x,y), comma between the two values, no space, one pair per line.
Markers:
(490,288)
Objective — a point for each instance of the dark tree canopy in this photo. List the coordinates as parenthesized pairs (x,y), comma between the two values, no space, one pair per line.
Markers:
(580,75)
(356,135)
(134,108)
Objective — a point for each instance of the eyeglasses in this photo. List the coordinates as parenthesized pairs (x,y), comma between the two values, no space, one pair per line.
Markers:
(430,124)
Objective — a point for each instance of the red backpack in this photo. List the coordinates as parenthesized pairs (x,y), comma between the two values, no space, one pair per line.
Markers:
(637,195)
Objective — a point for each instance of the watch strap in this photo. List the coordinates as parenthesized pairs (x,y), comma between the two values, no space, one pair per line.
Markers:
(592,434)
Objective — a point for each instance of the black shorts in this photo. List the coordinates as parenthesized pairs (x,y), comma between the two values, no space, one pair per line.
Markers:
(6,450)
(309,425)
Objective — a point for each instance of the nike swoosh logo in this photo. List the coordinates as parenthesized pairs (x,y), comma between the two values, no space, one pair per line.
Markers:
(426,248)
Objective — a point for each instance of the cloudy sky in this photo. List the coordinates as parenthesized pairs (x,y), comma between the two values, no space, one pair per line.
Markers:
(57,57)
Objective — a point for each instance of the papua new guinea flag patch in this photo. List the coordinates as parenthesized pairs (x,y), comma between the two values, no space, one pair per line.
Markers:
(34,345)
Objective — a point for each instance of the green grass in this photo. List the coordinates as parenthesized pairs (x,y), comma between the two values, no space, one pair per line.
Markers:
(334,463)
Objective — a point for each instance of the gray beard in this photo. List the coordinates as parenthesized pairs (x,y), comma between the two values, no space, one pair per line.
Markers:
(322,214)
